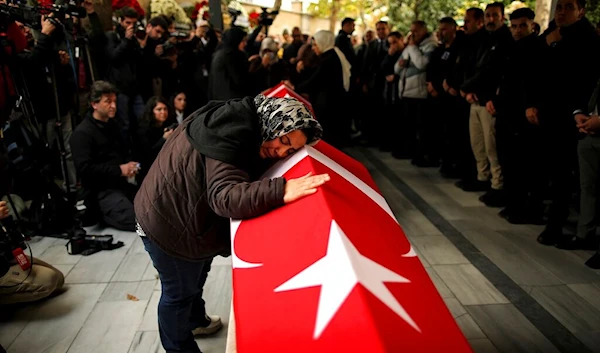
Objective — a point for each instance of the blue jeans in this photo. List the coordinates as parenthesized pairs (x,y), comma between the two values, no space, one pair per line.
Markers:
(129,112)
(181,307)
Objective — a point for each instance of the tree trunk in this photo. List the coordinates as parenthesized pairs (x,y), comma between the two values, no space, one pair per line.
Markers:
(335,9)
(543,9)
(417,10)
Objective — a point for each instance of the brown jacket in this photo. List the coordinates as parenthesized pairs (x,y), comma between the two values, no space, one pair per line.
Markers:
(186,200)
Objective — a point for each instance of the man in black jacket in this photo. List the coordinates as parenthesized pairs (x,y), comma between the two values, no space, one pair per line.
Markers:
(373,81)
(102,161)
(518,141)
(478,89)
(127,50)
(570,42)
(446,106)
(344,42)
(465,165)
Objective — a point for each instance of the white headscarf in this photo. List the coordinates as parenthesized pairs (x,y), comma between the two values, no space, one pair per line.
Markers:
(269,43)
(325,40)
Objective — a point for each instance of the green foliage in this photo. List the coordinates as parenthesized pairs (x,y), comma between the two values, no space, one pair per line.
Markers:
(366,12)
(593,11)
(403,12)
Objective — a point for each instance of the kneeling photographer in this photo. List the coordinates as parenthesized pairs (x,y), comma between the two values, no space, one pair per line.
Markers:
(22,278)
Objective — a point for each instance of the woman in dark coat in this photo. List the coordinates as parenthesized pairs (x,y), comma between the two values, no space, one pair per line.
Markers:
(229,77)
(155,127)
(328,89)
(208,172)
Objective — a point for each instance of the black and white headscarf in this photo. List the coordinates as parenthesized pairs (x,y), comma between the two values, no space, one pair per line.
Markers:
(280,116)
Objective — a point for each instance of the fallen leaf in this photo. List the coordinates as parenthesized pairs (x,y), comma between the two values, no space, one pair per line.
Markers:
(132,297)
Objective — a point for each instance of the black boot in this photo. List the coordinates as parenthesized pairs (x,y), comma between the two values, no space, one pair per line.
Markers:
(494,198)
(551,236)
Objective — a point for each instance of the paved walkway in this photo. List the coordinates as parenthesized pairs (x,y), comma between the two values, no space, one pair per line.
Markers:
(507,293)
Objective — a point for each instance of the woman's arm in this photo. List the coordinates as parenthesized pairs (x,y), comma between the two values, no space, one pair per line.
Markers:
(231,194)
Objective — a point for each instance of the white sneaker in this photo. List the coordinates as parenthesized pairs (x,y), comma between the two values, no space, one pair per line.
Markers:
(214,326)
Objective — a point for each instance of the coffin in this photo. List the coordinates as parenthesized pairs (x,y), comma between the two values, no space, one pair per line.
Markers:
(334,272)
(283,91)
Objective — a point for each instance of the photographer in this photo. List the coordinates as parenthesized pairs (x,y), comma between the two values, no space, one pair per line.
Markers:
(125,51)
(21,286)
(103,162)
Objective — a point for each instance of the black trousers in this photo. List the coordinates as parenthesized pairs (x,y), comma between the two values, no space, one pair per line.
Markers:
(116,208)
(560,150)
(520,153)
(456,141)
(412,112)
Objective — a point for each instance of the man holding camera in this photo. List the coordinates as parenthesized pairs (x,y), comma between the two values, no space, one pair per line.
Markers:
(126,51)
(102,161)
(18,285)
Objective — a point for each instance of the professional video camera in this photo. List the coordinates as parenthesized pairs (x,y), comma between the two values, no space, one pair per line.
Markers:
(31,16)
(83,244)
(266,18)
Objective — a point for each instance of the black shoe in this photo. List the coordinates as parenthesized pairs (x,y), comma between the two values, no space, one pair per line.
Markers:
(494,198)
(473,185)
(594,261)
(576,243)
(507,213)
(551,237)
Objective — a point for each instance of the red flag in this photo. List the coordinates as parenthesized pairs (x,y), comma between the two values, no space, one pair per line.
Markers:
(334,272)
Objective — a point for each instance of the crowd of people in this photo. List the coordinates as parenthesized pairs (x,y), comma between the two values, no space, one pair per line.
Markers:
(505,109)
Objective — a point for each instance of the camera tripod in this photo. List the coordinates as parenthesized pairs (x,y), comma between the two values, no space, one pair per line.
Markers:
(54,210)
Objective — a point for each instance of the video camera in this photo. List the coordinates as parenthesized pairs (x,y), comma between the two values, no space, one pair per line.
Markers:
(31,16)
(83,244)
(266,18)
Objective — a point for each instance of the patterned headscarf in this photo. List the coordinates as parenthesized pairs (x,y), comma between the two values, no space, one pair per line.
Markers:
(280,116)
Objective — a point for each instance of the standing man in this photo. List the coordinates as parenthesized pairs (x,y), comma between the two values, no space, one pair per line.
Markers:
(465,62)
(445,105)
(517,140)
(478,89)
(373,82)
(555,94)
(344,42)
(125,54)
(412,90)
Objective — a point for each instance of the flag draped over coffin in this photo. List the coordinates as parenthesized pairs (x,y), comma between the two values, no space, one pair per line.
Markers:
(283,91)
(333,272)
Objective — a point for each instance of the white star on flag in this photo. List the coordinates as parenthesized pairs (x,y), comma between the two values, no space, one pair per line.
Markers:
(338,273)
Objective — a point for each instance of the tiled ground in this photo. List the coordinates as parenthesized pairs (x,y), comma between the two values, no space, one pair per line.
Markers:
(94,315)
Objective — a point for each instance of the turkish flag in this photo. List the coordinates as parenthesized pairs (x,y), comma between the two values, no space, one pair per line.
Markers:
(333,272)
(283,91)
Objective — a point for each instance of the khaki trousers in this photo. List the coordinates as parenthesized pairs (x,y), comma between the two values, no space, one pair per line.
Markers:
(482,128)
(43,280)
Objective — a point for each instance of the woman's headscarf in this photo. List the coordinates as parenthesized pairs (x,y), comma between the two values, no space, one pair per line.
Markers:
(280,116)
(269,44)
(325,40)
